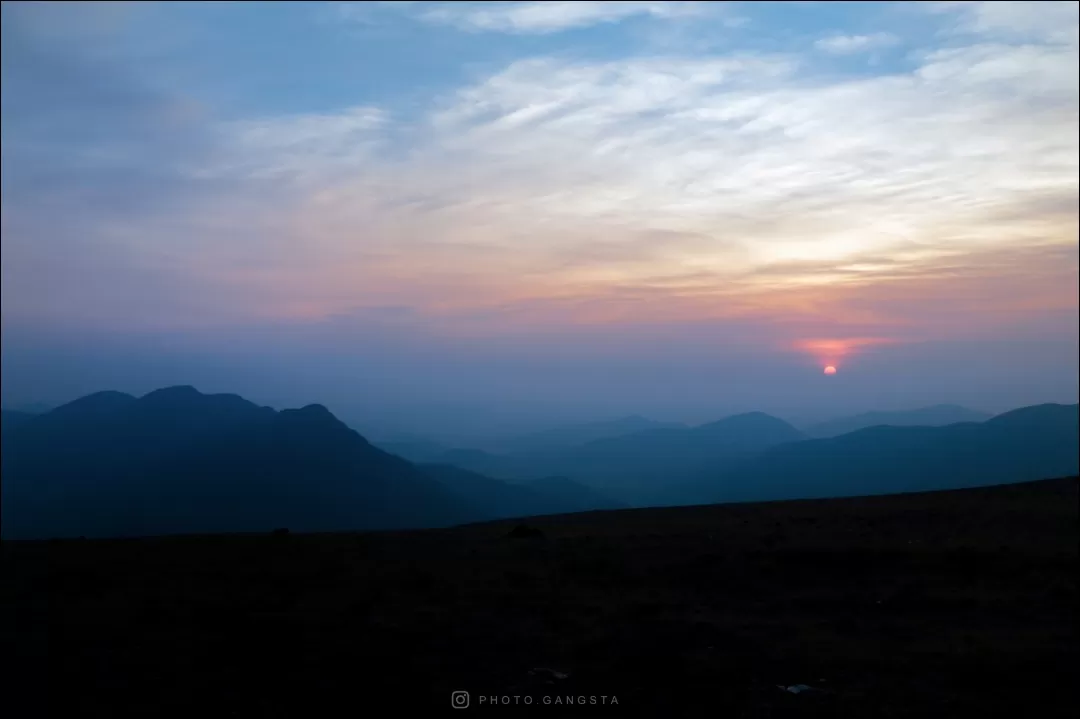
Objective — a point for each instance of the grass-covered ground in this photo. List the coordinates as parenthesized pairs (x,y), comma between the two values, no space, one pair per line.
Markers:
(955,604)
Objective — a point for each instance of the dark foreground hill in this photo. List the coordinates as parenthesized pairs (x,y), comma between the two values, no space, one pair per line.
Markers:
(959,603)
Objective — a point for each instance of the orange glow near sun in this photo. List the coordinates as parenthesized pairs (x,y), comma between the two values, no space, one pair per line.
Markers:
(830,352)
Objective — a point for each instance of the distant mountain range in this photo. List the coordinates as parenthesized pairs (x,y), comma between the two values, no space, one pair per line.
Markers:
(642,466)
(756,456)
(178,461)
(631,466)
(1024,444)
(635,463)
(936,416)
(420,449)
(559,438)
(495,498)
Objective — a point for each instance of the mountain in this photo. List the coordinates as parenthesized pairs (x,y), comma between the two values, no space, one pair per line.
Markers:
(574,494)
(498,499)
(176,460)
(578,434)
(1025,444)
(28,407)
(179,461)
(416,449)
(936,416)
(494,465)
(12,418)
(740,433)
(634,467)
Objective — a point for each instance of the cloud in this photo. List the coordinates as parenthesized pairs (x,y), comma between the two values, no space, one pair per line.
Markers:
(534,18)
(562,192)
(853,44)
(1055,22)
(301,145)
(668,189)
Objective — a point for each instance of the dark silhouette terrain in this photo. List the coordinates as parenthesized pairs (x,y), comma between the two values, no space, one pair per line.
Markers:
(957,603)
(178,461)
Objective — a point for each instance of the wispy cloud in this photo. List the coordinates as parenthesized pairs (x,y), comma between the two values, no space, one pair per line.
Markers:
(736,186)
(304,145)
(1011,20)
(853,44)
(546,16)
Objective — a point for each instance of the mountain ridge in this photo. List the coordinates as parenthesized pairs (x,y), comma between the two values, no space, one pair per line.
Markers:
(931,416)
(1028,443)
(177,460)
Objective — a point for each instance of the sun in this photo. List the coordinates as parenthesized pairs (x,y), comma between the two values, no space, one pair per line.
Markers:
(830,370)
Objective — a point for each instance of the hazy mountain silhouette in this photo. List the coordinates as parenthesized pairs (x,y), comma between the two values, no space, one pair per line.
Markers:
(176,460)
(28,407)
(12,418)
(1024,444)
(415,449)
(573,493)
(747,432)
(577,434)
(522,455)
(498,499)
(632,466)
(935,416)
(500,466)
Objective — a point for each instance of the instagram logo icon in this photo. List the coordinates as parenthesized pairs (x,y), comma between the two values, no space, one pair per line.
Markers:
(459,700)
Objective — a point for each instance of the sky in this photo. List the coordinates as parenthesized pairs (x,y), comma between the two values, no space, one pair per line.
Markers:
(464,218)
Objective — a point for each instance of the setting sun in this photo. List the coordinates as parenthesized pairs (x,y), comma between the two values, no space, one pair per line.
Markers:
(830,370)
